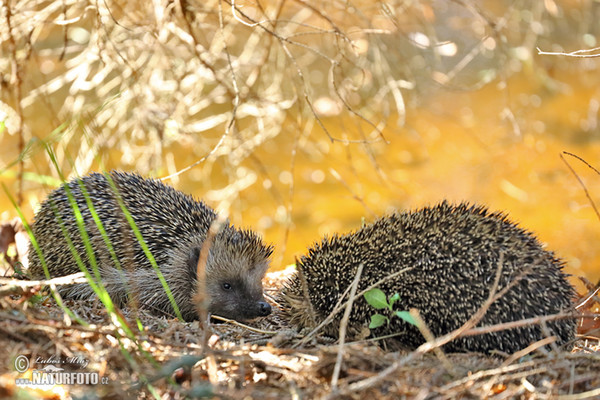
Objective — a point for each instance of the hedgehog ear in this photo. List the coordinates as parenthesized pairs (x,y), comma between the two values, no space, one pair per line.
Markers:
(192,260)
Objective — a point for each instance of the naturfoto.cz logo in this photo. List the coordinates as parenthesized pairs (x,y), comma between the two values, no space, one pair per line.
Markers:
(51,374)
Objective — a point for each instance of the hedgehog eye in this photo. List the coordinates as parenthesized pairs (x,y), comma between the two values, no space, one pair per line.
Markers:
(226,286)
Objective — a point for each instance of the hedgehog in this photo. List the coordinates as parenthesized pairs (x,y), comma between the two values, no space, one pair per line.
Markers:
(174,227)
(451,255)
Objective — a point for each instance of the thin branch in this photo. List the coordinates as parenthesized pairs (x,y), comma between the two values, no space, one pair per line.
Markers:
(587,194)
(16,81)
(343,328)
(576,54)
(340,304)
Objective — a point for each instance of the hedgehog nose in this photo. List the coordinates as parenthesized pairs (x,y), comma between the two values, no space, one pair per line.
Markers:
(264,308)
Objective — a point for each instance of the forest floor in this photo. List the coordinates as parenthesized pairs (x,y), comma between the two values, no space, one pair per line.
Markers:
(166,360)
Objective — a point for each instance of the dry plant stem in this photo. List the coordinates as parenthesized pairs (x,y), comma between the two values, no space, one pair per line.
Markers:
(572,380)
(490,372)
(197,53)
(13,286)
(337,30)
(16,82)
(577,53)
(546,365)
(283,41)
(587,194)
(516,356)
(343,328)
(592,287)
(587,298)
(201,160)
(305,92)
(350,109)
(523,322)
(9,331)
(339,305)
(311,310)
(428,346)
(290,202)
(63,280)
(356,196)
(236,91)
(590,394)
(55,326)
(483,309)
(201,298)
(430,338)
(248,327)
(496,27)
(235,94)
(371,154)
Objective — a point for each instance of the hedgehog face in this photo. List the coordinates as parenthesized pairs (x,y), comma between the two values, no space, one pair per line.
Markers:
(236,265)
(232,298)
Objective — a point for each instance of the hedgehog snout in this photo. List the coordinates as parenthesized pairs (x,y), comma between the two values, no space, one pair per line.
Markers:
(241,311)
(264,308)
(240,298)
(254,310)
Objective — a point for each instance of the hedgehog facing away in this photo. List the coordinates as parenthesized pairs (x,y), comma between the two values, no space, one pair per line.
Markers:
(451,254)
(174,227)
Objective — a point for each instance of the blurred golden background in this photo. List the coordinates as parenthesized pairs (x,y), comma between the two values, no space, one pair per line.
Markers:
(306,117)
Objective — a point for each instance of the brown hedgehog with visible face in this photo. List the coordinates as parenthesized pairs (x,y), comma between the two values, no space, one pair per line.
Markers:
(451,254)
(174,227)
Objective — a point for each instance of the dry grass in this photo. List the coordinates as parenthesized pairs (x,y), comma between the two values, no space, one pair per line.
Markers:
(167,359)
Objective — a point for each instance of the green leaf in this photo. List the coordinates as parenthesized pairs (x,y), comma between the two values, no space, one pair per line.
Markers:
(377,320)
(36,299)
(376,298)
(394,299)
(405,315)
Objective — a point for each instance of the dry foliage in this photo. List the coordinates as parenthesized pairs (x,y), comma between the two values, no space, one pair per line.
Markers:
(167,359)
(132,83)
